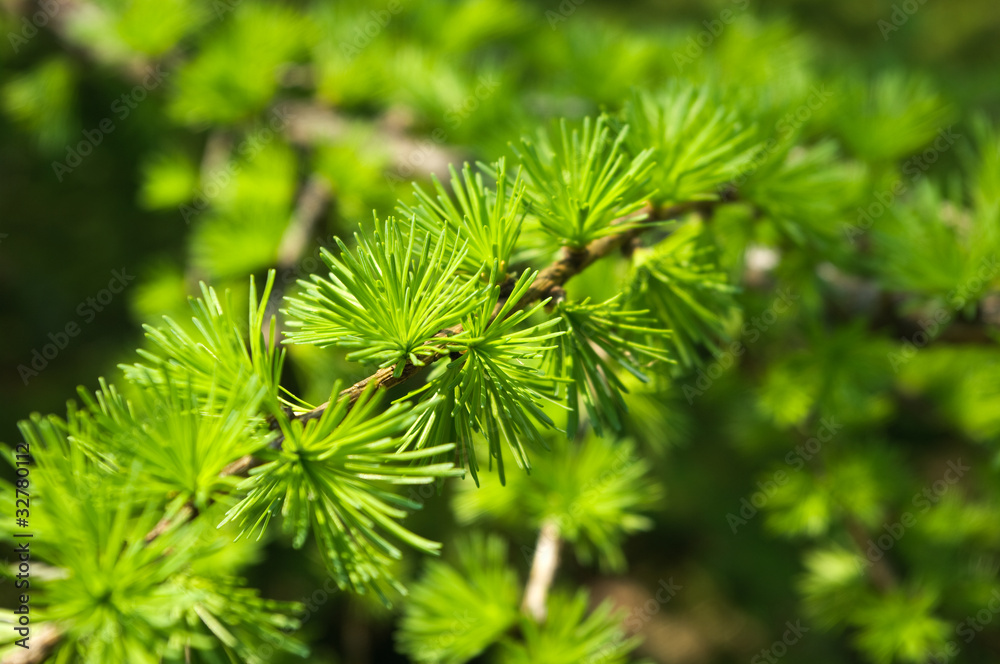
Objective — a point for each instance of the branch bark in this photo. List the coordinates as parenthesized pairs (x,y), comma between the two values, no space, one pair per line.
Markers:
(186,512)
(879,572)
(312,204)
(310,124)
(543,571)
(41,645)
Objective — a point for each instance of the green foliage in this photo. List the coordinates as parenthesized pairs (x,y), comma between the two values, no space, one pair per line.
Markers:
(216,361)
(487,387)
(901,628)
(698,144)
(122,597)
(800,189)
(169,179)
(236,74)
(982,163)
(181,442)
(389,300)
(489,221)
(900,113)
(345,75)
(579,187)
(594,491)
(41,100)
(817,380)
(153,27)
(597,637)
(251,199)
(625,271)
(930,245)
(679,283)
(850,487)
(591,349)
(457,612)
(834,585)
(334,476)
(910,235)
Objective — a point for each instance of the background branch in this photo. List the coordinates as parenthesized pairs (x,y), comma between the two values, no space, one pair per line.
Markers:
(543,571)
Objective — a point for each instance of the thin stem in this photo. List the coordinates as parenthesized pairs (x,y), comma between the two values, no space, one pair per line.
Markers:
(879,572)
(543,571)
(312,204)
(185,513)
(41,644)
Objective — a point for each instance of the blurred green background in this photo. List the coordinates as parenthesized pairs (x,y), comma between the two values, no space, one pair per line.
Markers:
(250,106)
(62,234)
